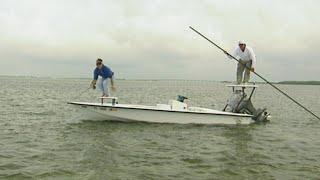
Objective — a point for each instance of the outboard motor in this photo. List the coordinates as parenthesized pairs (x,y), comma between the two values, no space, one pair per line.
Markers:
(239,102)
(234,101)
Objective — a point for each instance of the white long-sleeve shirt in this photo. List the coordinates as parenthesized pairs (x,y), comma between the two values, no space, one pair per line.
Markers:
(245,55)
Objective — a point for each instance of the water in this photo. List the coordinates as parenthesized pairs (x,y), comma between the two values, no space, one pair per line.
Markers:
(41,137)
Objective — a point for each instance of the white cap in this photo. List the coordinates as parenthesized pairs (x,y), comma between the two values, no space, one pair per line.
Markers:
(241,42)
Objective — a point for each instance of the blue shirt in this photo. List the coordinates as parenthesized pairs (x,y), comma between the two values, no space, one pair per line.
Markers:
(104,72)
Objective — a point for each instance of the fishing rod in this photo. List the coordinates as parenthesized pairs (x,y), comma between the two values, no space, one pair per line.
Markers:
(82,92)
(282,92)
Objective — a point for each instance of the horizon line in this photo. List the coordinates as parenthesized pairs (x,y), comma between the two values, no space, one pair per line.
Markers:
(142,79)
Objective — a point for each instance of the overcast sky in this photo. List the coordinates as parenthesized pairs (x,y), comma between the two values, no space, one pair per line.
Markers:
(150,39)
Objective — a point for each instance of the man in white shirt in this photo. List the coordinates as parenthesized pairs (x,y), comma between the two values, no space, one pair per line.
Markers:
(247,59)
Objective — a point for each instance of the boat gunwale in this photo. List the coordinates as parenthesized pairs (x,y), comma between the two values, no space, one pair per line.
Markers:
(151,109)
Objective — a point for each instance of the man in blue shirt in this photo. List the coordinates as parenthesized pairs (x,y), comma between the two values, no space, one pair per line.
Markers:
(106,73)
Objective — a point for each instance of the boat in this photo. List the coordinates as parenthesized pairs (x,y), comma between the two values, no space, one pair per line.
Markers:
(238,110)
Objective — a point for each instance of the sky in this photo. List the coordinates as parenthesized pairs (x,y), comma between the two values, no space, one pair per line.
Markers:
(151,39)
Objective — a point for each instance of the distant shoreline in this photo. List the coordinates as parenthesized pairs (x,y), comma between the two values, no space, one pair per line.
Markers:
(222,81)
(300,82)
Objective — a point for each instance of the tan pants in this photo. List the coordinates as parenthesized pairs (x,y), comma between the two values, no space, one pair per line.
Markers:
(241,68)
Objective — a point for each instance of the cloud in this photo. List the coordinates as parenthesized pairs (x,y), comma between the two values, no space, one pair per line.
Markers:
(151,39)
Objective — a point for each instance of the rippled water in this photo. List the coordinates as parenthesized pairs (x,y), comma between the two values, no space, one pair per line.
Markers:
(41,137)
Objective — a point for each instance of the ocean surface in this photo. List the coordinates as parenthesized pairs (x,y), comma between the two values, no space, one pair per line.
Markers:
(42,137)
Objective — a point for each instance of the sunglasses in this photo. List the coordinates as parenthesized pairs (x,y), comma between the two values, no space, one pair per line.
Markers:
(98,64)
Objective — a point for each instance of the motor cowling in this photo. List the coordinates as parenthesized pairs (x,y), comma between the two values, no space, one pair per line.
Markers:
(240,103)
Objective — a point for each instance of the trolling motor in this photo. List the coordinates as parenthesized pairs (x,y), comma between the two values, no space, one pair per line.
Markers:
(181,98)
(239,102)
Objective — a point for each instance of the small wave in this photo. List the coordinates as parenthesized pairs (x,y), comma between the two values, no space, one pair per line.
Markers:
(192,160)
(56,173)
(16,175)
(12,166)
(44,113)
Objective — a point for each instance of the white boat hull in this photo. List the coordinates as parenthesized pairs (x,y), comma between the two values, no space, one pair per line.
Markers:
(138,113)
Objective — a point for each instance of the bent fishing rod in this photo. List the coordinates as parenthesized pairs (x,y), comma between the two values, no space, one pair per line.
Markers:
(81,93)
(282,92)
